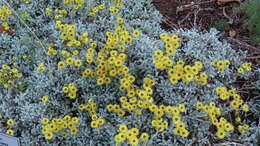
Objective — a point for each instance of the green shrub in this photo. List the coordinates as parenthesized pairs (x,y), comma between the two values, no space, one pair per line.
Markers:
(252,11)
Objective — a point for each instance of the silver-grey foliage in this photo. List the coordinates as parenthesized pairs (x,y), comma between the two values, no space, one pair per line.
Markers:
(26,108)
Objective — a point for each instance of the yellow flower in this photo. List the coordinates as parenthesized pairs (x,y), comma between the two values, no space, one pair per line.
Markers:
(64,134)
(41,67)
(65,89)
(67,118)
(181,107)
(199,105)
(45,98)
(129,39)
(163,36)
(134,131)
(120,20)
(48,135)
(180,125)
(133,141)
(238,119)
(10,122)
(87,72)
(75,52)
(245,107)
(61,64)
(26,1)
(221,134)
(184,133)
(70,60)
(144,136)
(240,70)
(45,121)
(75,120)
(176,119)
(119,138)
(176,131)
(94,124)
(188,77)
(48,11)
(74,131)
(123,128)
(100,121)
(234,104)
(173,79)
(228,127)
(78,63)
(10,132)
(136,33)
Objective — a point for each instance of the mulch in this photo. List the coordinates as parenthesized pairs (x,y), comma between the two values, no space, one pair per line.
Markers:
(203,15)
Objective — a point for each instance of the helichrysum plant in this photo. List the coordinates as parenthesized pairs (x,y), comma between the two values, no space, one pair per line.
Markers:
(77,72)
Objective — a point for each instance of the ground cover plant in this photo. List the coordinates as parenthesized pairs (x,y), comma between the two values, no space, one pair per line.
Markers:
(77,72)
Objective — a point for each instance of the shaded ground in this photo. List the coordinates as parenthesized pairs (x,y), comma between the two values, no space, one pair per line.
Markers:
(205,14)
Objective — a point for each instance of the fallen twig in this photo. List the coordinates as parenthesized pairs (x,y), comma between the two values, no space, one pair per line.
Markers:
(219,2)
(244,44)
(228,17)
(187,16)
(181,8)
(168,22)
(250,58)
(197,12)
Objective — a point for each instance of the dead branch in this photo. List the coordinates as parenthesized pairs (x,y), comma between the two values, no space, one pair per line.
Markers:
(228,17)
(245,44)
(219,2)
(250,58)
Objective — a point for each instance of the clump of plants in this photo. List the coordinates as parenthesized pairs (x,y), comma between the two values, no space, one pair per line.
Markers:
(252,10)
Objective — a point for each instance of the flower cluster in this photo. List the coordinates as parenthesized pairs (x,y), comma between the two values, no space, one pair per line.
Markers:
(91,107)
(48,11)
(59,13)
(4,13)
(171,42)
(41,67)
(8,74)
(51,51)
(52,126)
(187,73)
(68,33)
(10,123)
(213,113)
(115,108)
(77,4)
(162,62)
(236,101)
(130,135)
(221,65)
(131,102)
(245,67)
(180,71)
(94,11)
(160,124)
(71,90)
(118,3)
(111,58)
